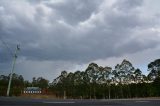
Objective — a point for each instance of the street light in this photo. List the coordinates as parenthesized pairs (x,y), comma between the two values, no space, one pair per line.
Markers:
(13,66)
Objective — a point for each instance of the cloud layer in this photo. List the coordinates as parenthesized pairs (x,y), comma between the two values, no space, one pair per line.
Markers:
(63,34)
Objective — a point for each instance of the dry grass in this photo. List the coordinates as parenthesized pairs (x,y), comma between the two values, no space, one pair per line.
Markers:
(39,96)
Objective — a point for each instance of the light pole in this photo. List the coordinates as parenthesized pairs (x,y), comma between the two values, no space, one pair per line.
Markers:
(13,66)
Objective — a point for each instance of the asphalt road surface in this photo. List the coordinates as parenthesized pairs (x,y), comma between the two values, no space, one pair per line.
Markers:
(12,101)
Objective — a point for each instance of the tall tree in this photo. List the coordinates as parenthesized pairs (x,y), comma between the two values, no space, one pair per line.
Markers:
(125,72)
(42,82)
(92,74)
(138,77)
(154,68)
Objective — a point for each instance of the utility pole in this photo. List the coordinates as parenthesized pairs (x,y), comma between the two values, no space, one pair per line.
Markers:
(13,66)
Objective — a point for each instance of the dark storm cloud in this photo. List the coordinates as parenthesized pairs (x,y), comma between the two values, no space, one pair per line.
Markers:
(76,31)
(74,11)
(54,31)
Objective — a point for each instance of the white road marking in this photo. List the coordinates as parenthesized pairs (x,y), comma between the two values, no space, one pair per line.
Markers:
(58,102)
(142,101)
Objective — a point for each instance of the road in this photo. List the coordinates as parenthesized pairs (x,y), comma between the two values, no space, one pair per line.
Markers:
(13,101)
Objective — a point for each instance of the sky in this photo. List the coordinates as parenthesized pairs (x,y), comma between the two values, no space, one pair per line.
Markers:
(57,35)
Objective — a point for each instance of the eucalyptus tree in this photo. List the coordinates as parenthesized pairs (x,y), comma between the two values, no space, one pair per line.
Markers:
(34,81)
(60,84)
(63,82)
(126,71)
(138,77)
(154,69)
(92,74)
(42,82)
(115,76)
(69,82)
(104,78)
(78,81)
(124,75)
(104,75)
(3,84)
(78,78)
(107,76)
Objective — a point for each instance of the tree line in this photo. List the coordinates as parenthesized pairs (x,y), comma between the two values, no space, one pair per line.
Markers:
(96,82)
(18,84)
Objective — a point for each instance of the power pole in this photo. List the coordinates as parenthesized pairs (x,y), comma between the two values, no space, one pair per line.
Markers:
(13,66)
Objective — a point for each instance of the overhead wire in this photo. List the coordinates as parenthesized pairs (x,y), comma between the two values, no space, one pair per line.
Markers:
(5,44)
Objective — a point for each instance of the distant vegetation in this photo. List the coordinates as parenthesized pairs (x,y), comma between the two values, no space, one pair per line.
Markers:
(18,84)
(96,82)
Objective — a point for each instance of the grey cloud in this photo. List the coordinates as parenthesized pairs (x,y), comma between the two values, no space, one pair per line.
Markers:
(126,5)
(46,69)
(59,42)
(76,31)
(74,11)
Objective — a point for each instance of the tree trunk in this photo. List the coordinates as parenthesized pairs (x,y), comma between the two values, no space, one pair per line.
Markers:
(64,95)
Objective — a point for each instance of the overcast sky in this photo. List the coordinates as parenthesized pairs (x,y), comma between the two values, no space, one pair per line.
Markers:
(56,35)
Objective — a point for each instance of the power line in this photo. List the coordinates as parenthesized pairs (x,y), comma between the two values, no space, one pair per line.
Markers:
(5,44)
